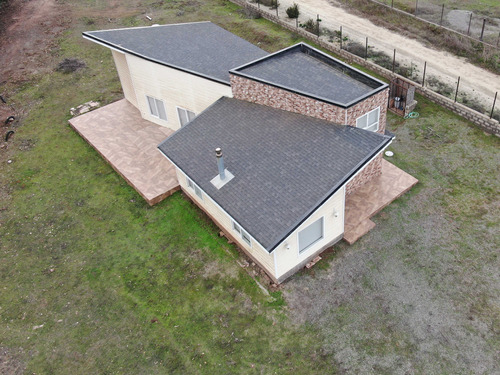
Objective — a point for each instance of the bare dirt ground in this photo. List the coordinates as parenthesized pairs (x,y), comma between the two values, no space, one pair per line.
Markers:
(27,38)
(448,67)
(30,28)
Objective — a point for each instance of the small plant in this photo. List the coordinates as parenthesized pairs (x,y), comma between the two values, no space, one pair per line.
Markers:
(311,26)
(293,11)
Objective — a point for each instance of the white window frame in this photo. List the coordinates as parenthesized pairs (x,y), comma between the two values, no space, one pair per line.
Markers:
(190,184)
(243,234)
(365,118)
(157,115)
(301,251)
(186,113)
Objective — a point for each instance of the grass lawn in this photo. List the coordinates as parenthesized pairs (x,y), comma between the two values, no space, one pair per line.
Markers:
(93,280)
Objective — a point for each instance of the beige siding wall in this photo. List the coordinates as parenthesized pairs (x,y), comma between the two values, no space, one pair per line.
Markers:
(174,87)
(124,74)
(288,259)
(256,251)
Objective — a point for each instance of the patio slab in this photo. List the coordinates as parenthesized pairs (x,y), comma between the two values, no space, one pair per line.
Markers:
(372,197)
(129,144)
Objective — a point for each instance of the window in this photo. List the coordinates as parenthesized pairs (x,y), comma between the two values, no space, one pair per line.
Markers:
(310,235)
(242,233)
(185,116)
(197,191)
(157,108)
(236,228)
(194,187)
(369,121)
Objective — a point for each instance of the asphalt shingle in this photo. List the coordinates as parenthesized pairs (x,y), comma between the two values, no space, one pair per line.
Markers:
(308,71)
(202,48)
(285,164)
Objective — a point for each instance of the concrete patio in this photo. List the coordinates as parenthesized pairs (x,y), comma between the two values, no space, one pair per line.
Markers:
(372,197)
(128,143)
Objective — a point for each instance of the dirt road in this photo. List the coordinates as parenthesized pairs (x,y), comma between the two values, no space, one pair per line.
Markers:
(444,65)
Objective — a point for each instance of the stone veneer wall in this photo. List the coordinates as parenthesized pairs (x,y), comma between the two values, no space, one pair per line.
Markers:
(256,92)
(373,169)
(487,124)
(378,100)
(260,93)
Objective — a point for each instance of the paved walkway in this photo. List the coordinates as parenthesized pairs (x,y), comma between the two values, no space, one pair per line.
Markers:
(372,197)
(128,143)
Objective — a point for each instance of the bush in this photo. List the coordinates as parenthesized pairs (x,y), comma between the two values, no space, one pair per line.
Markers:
(273,4)
(293,11)
(309,25)
(249,13)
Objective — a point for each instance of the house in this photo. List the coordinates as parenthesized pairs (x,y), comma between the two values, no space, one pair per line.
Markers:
(171,73)
(270,146)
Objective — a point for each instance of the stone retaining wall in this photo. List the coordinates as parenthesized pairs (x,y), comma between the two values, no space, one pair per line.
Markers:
(491,126)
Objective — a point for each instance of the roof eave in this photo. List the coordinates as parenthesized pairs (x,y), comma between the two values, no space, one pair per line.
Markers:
(118,48)
(311,96)
(332,191)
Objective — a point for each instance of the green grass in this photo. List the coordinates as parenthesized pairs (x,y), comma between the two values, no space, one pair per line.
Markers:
(121,287)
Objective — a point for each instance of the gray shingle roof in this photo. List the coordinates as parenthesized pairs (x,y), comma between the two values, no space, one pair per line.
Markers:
(202,48)
(310,72)
(285,164)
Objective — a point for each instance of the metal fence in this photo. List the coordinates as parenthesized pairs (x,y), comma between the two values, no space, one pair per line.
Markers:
(415,67)
(477,26)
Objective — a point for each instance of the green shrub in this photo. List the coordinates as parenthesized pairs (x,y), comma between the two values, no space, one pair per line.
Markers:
(293,11)
(309,25)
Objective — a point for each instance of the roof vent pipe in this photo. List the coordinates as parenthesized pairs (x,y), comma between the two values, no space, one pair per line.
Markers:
(220,163)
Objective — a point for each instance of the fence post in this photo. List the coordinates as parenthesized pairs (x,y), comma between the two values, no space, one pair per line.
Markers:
(416,7)
(341,37)
(442,14)
(482,30)
(297,22)
(317,24)
(456,92)
(494,102)
(392,4)
(470,21)
(423,77)
(277,15)
(366,49)
(394,61)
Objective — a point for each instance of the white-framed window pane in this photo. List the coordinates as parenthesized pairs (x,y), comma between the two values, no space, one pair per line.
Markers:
(182,116)
(373,127)
(162,114)
(152,106)
(190,183)
(310,235)
(197,191)
(362,122)
(246,237)
(236,227)
(190,115)
(185,116)
(373,116)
